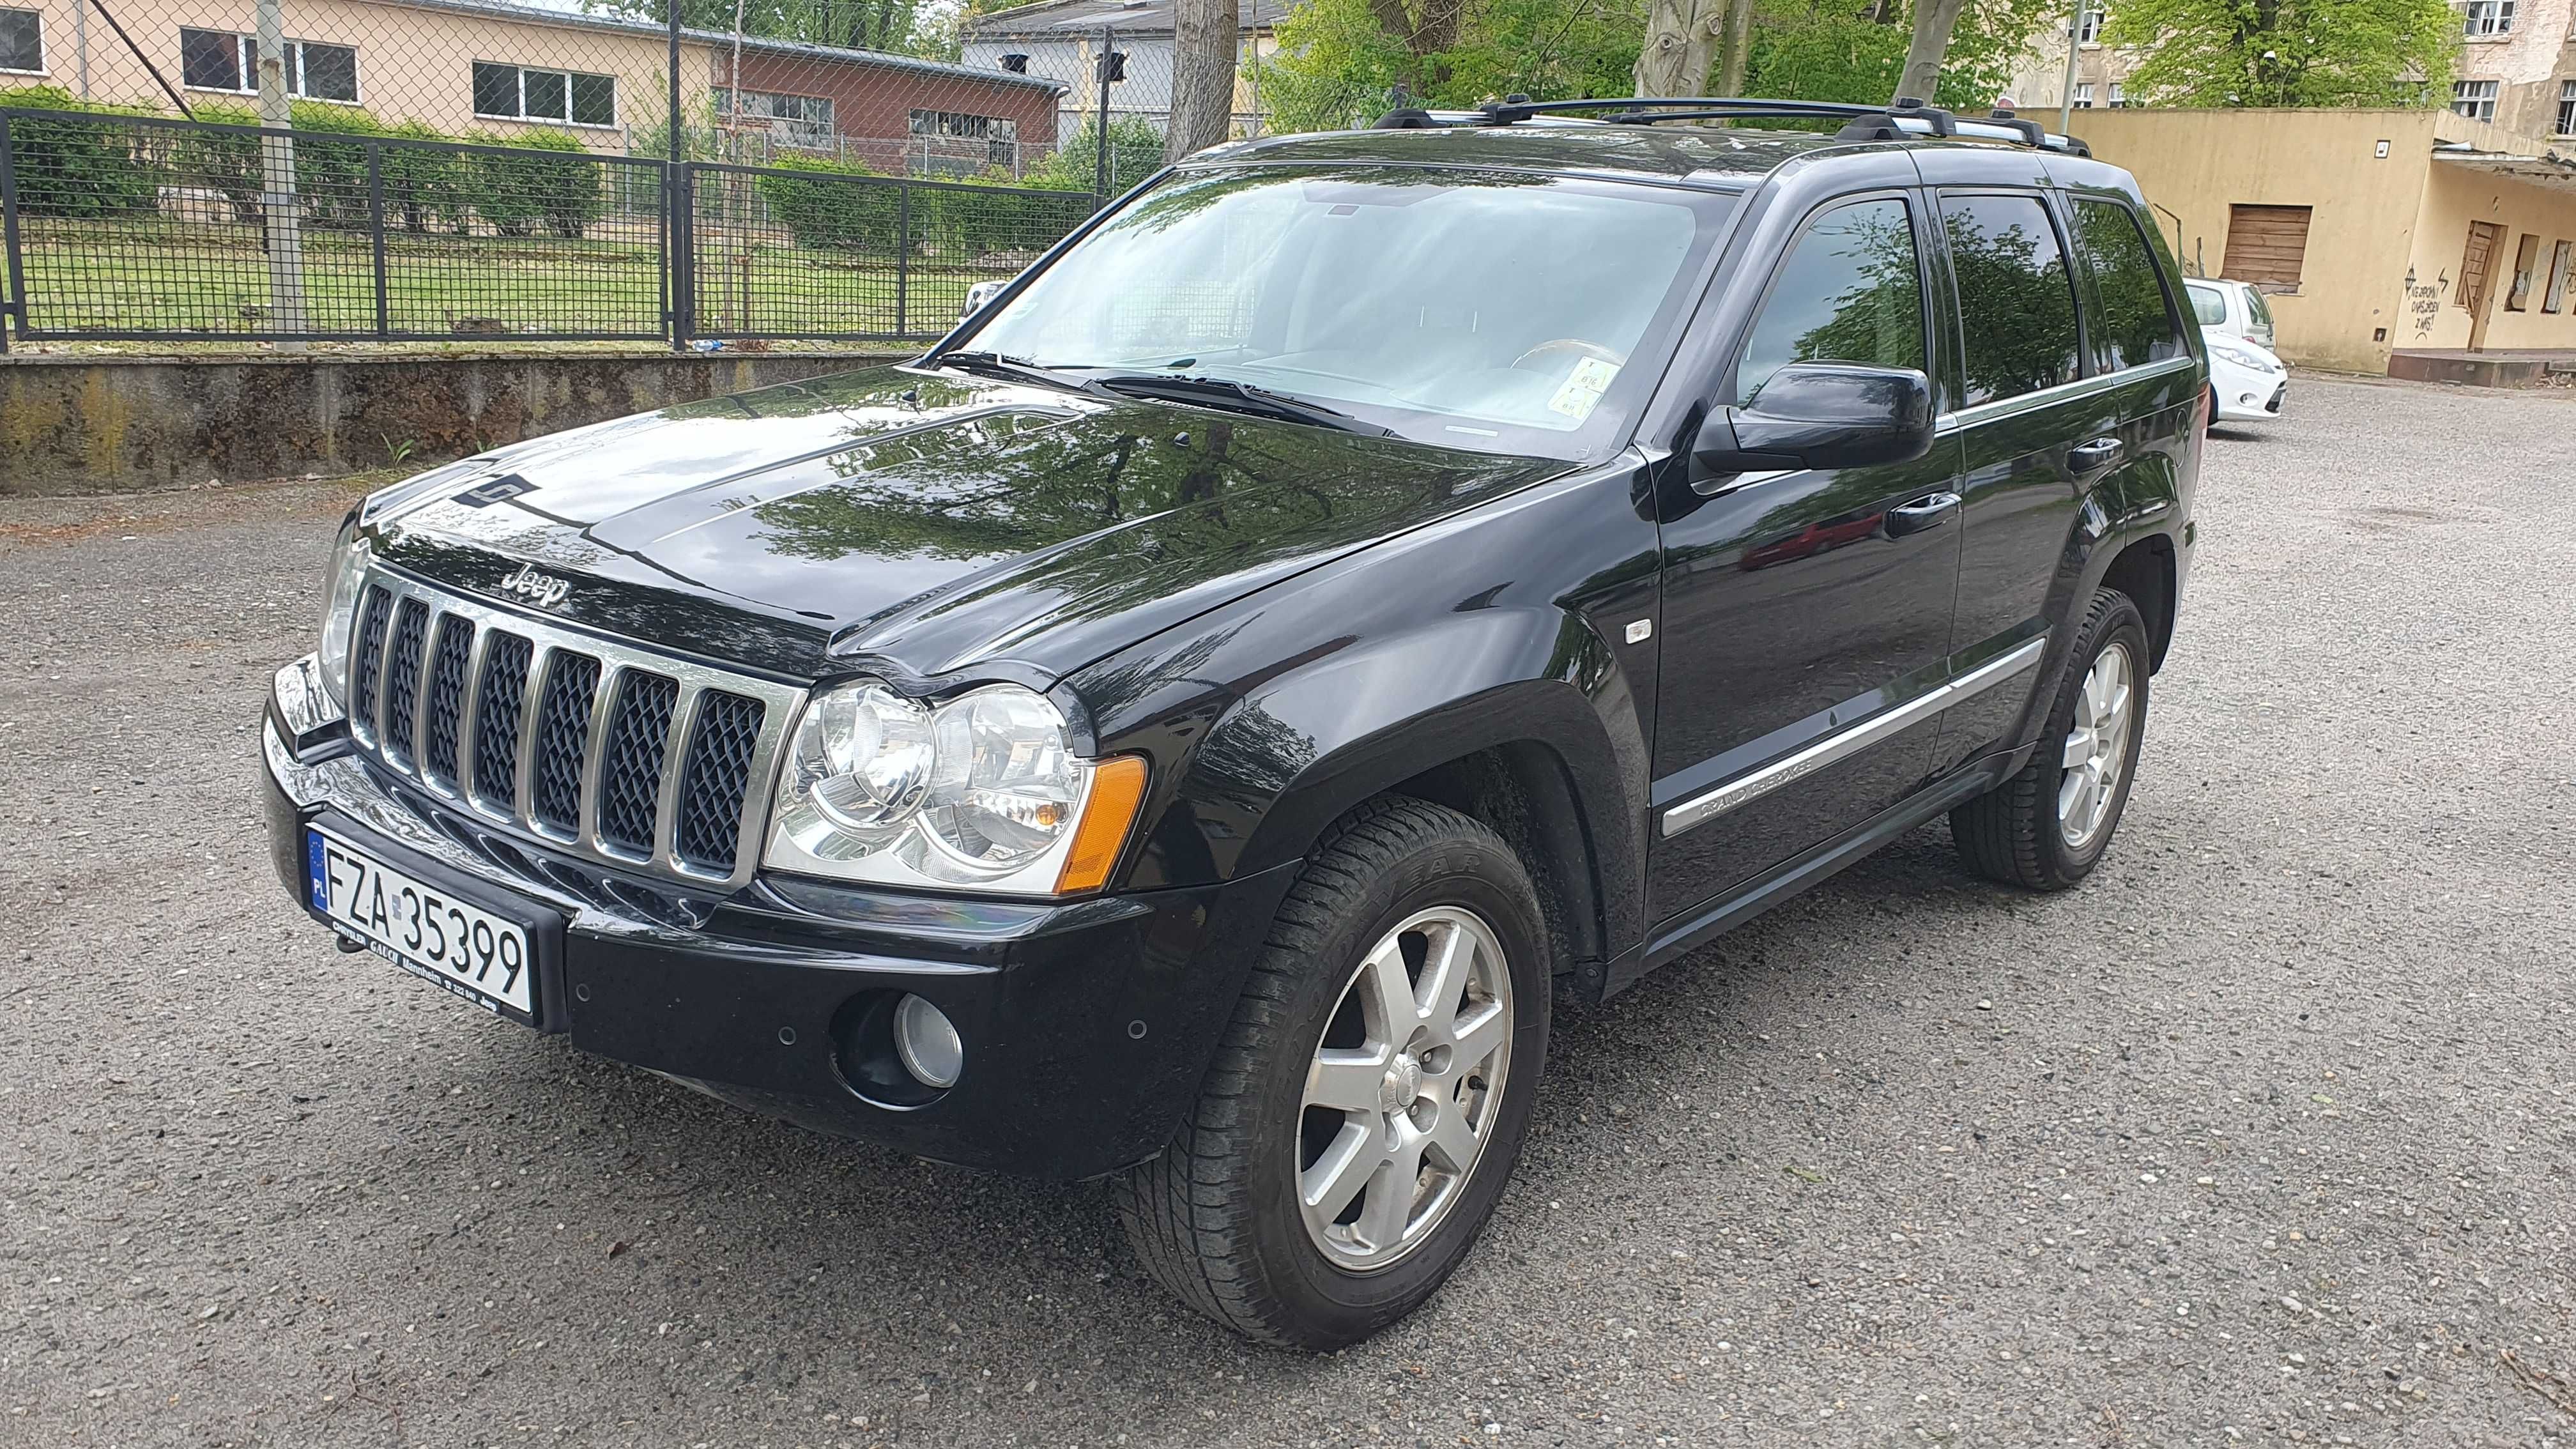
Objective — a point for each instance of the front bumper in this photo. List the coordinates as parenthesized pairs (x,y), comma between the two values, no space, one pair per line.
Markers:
(1088,1026)
(2250,397)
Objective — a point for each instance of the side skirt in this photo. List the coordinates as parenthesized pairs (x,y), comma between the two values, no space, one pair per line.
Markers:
(1682,936)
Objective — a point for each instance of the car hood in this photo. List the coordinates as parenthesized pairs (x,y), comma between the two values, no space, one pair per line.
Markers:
(917,521)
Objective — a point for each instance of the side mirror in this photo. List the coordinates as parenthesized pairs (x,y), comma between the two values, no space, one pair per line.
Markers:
(1820,415)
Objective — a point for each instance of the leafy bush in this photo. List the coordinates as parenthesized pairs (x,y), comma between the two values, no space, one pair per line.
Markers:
(1135,152)
(330,175)
(81,168)
(424,185)
(993,214)
(553,183)
(829,208)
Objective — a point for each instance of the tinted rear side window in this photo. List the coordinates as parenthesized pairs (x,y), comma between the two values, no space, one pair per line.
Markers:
(2016,300)
(1851,291)
(2132,325)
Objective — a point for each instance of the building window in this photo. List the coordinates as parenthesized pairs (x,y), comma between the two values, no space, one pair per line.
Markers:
(2119,101)
(2556,295)
(2489,17)
(2526,259)
(2084,96)
(2088,25)
(219,60)
(22,42)
(518,93)
(957,143)
(2266,245)
(2567,108)
(2474,99)
(793,120)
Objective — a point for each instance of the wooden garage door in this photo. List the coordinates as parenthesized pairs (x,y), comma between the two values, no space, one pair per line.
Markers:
(2265,244)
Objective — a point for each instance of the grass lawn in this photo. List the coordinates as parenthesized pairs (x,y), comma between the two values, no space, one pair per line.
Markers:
(200,280)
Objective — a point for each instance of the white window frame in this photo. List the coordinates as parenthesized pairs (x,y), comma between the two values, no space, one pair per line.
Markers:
(248,70)
(2487,19)
(616,96)
(2467,99)
(2088,23)
(800,130)
(2562,259)
(2567,108)
(2084,96)
(2119,98)
(39,17)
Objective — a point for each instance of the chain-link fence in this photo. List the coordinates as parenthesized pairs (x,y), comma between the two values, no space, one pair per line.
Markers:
(282,170)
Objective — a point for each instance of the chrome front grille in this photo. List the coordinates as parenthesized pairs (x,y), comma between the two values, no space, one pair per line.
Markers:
(610,751)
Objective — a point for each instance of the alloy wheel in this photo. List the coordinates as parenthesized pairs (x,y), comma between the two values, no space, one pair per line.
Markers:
(1401,1093)
(2096,753)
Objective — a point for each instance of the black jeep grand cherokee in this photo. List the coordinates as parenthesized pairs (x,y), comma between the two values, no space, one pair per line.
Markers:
(1185,726)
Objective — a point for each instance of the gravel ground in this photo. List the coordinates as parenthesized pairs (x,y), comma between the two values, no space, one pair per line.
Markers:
(2265,1135)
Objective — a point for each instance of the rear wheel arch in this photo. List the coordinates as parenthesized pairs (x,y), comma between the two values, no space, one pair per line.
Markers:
(2144,570)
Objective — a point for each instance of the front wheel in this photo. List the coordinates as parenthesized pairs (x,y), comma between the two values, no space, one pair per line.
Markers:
(1370,1095)
(2047,826)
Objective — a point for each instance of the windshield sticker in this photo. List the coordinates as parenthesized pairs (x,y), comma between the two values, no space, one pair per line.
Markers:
(1583,388)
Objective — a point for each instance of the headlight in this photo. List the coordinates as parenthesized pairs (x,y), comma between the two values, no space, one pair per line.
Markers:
(983,792)
(2242,357)
(339,610)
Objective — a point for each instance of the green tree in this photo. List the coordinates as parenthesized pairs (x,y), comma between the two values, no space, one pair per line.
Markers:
(1855,50)
(1344,63)
(2287,52)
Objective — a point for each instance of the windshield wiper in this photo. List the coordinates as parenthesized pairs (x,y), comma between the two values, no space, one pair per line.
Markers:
(1015,369)
(1237,397)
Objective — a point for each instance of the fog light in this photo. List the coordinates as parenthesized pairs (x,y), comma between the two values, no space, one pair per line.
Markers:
(927,1042)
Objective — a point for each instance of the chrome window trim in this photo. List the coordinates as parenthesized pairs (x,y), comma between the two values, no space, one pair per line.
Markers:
(548,643)
(1752,785)
(2004,407)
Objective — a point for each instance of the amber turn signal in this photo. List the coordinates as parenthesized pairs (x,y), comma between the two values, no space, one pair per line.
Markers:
(1117,790)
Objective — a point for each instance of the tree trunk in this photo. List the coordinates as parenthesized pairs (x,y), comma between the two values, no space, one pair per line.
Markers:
(1682,38)
(1932,22)
(1735,47)
(1205,34)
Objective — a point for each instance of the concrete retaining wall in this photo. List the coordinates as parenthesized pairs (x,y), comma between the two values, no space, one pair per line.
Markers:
(117,424)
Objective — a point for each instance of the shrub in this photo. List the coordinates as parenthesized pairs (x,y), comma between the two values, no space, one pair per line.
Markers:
(424,185)
(827,208)
(84,168)
(554,183)
(330,175)
(1135,152)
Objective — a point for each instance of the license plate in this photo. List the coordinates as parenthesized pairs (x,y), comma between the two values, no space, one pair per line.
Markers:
(485,958)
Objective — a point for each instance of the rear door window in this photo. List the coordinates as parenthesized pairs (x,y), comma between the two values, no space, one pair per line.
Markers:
(2016,298)
(2132,325)
(1850,291)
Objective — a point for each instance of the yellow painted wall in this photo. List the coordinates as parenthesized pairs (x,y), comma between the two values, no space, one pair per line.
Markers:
(2458,195)
(2361,235)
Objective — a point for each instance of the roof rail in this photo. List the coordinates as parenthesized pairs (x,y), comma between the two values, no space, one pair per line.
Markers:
(1861,123)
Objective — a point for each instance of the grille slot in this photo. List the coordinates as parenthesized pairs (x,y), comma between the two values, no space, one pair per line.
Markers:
(402,678)
(501,700)
(373,617)
(447,663)
(599,749)
(630,768)
(715,776)
(563,739)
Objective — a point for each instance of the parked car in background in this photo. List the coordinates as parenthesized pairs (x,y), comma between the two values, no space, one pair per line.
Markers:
(2247,384)
(2231,309)
(1186,727)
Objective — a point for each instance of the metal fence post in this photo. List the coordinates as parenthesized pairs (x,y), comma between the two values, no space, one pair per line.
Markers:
(903,260)
(17,304)
(677,195)
(680,184)
(1100,135)
(376,231)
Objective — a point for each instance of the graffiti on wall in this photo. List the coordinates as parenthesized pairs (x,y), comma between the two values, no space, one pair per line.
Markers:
(2424,300)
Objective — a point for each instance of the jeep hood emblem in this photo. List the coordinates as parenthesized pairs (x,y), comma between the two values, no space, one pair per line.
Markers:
(543,590)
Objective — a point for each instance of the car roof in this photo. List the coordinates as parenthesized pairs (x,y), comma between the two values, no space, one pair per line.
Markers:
(1697,155)
(1712,157)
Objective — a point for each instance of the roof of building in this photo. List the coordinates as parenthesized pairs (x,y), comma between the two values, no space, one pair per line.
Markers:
(1087,17)
(766,44)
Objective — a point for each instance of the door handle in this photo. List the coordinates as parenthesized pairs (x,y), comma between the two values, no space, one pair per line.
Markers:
(2096,455)
(1921,514)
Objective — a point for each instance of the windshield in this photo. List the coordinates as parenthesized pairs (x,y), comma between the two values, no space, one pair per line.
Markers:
(1506,311)
(2207,305)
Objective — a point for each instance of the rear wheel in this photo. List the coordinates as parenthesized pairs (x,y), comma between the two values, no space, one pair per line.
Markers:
(2047,826)
(1370,1095)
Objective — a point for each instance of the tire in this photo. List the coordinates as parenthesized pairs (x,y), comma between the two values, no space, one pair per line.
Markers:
(2020,831)
(1218,1218)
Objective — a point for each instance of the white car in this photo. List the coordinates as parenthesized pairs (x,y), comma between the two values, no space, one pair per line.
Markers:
(2247,380)
(2235,308)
